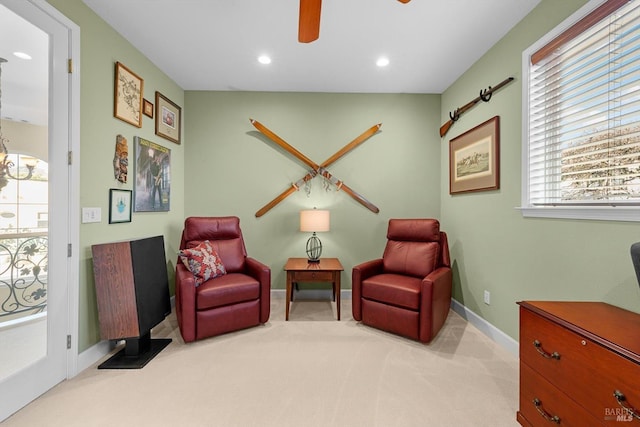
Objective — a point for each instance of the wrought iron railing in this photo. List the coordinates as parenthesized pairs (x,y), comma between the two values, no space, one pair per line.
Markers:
(23,274)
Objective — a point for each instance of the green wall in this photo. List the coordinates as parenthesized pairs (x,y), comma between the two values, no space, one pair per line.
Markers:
(492,245)
(100,48)
(224,167)
(231,169)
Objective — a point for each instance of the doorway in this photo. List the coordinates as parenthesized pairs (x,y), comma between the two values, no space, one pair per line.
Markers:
(38,200)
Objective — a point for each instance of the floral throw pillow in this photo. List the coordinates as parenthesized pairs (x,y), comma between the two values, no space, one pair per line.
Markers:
(203,261)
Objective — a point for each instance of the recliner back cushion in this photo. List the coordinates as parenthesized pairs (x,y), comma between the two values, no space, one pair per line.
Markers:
(223,233)
(414,230)
(411,258)
(230,252)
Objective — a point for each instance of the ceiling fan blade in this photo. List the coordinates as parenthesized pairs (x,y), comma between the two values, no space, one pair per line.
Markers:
(309,24)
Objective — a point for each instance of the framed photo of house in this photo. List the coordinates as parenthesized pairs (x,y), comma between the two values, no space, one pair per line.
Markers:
(119,205)
(128,96)
(152,177)
(147,108)
(474,159)
(168,118)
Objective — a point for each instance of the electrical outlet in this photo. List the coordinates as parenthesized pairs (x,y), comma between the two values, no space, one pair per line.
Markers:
(487,297)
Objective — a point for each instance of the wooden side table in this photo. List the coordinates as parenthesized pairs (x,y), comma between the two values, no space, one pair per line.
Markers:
(301,270)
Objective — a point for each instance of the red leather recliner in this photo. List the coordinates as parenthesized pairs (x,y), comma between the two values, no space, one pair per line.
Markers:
(236,300)
(408,290)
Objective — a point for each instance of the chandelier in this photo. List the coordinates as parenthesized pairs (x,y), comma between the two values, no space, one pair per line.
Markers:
(5,162)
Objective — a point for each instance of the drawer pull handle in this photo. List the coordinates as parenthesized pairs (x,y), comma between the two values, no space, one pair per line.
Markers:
(545,414)
(538,346)
(620,397)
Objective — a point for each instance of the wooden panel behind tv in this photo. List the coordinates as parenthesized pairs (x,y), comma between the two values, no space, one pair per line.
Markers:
(115,291)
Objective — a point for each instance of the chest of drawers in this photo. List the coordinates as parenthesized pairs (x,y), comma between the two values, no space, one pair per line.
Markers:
(579,364)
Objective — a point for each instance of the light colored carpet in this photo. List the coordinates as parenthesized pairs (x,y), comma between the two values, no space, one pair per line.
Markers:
(309,371)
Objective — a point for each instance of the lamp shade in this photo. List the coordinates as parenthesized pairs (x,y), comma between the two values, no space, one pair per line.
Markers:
(314,220)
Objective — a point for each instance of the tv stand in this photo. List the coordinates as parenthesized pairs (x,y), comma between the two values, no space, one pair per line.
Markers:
(132,292)
(136,353)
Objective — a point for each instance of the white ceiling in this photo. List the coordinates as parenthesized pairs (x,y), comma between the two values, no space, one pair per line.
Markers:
(214,44)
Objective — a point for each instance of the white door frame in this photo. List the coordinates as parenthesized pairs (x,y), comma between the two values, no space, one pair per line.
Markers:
(73,263)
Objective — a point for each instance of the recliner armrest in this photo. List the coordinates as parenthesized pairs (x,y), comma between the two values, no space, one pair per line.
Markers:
(255,268)
(359,273)
(441,276)
(186,302)
(369,268)
(262,273)
(435,293)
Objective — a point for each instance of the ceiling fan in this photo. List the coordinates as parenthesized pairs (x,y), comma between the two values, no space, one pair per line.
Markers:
(309,24)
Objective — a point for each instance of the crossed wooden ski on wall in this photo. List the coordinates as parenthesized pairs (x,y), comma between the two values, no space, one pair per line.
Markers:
(316,169)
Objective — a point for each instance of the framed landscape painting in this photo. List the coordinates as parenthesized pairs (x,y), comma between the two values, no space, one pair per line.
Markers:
(474,159)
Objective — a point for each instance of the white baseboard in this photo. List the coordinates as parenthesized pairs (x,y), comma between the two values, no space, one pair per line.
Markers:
(495,334)
(93,354)
(101,349)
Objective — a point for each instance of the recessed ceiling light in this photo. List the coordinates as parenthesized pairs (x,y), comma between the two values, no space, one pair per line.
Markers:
(22,55)
(382,62)
(264,59)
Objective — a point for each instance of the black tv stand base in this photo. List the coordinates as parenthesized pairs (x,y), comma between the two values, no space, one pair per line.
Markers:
(137,352)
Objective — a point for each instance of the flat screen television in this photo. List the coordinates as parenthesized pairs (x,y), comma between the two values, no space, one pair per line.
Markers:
(132,292)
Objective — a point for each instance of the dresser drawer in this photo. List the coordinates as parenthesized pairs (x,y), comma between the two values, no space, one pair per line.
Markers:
(312,276)
(584,370)
(540,402)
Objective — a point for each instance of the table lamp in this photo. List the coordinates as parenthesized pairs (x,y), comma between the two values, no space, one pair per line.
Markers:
(314,220)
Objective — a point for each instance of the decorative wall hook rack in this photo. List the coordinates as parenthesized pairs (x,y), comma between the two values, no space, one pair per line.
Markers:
(315,168)
(485,96)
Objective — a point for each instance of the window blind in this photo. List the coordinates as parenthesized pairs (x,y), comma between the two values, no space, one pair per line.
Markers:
(584,114)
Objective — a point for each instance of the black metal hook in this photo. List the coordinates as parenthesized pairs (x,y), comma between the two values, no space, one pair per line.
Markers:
(455,115)
(485,94)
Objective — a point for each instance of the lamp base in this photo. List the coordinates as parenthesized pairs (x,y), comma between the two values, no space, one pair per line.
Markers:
(314,248)
(313,261)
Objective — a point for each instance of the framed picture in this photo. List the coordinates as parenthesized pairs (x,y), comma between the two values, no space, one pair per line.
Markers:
(119,206)
(168,118)
(474,159)
(128,96)
(152,177)
(147,108)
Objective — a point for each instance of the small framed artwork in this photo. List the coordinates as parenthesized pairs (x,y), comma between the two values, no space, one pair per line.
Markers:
(128,96)
(474,159)
(168,118)
(147,108)
(119,205)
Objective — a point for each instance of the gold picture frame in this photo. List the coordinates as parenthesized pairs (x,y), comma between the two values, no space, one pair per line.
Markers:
(127,101)
(474,159)
(147,108)
(168,118)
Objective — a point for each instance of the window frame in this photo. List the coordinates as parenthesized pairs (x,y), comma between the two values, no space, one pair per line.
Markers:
(527,209)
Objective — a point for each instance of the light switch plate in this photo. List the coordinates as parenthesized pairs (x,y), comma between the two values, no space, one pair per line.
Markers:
(91,215)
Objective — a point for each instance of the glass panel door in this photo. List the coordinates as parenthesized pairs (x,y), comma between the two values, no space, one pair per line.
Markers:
(34,203)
